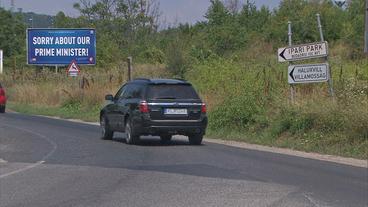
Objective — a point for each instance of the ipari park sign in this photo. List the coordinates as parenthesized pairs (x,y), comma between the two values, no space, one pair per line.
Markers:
(302,52)
(61,46)
(313,73)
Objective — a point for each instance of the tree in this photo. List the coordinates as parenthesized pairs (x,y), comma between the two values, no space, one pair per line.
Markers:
(12,33)
(223,30)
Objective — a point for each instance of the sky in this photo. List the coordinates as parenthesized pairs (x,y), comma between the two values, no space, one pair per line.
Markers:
(173,11)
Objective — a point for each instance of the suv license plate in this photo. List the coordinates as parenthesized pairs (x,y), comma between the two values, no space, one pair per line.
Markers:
(176,111)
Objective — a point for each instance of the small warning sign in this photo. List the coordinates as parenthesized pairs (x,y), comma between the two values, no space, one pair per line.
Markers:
(73,69)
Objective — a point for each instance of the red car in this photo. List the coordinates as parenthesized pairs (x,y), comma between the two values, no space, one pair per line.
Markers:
(2,99)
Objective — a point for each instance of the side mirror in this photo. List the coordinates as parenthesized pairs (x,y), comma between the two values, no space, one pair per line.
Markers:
(109,97)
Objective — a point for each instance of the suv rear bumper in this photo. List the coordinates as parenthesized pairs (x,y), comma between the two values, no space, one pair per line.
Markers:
(172,127)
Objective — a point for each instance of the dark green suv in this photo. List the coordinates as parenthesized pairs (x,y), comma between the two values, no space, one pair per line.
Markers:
(158,107)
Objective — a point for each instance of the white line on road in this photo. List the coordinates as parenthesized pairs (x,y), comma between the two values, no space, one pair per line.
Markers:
(22,169)
(54,145)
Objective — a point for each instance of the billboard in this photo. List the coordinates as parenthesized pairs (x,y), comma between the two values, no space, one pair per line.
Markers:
(61,46)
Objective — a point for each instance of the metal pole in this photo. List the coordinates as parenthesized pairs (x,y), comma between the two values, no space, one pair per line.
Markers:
(292,89)
(366,28)
(330,82)
(130,60)
(1,62)
(320,27)
(56,69)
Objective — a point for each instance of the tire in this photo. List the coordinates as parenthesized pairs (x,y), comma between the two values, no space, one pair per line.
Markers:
(165,138)
(107,133)
(195,139)
(131,136)
(2,109)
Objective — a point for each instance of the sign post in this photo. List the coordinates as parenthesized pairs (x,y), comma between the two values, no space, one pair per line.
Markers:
(292,89)
(307,73)
(130,60)
(330,84)
(366,28)
(1,62)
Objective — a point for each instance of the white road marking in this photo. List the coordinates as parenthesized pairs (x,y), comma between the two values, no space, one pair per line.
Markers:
(2,161)
(54,145)
(314,202)
(22,169)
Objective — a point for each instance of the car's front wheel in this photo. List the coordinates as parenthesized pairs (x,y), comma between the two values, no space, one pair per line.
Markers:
(131,136)
(195,139)
(107,133)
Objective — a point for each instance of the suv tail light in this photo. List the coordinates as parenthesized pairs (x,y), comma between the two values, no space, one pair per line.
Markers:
(203,108)
(143,107)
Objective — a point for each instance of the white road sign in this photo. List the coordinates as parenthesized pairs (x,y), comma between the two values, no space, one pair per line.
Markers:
(312,73)
(73,69)
(301,52)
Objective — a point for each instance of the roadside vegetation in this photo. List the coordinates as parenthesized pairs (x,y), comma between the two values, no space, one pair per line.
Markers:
(231,60)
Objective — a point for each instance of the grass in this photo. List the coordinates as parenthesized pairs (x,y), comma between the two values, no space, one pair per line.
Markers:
(67,112)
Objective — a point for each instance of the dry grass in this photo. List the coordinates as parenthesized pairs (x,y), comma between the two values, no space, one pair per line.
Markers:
(46,88)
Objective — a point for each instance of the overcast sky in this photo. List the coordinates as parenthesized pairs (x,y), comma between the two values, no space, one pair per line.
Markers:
(173,11)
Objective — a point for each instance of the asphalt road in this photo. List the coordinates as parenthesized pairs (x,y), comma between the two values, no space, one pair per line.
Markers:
(47,162)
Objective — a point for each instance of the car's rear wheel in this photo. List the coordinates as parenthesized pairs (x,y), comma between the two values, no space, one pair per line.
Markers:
(165,137)
(2,109)
(195,139)
(107,133)
(131,136)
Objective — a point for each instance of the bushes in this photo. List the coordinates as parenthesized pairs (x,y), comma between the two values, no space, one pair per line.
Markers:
(235,113)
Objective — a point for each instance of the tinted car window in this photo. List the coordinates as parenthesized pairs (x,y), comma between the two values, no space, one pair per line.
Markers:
(137,91)
(167,91)
(119,93)
(127,92)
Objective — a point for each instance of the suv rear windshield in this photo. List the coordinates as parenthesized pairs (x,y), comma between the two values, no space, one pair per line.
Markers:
(171,91)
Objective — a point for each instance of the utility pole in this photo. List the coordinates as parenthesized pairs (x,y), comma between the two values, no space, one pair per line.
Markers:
(130,60)
(366,28)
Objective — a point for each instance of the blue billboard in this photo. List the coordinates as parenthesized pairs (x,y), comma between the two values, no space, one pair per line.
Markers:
(61,46)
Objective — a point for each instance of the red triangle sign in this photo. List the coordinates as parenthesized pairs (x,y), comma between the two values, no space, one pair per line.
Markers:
(73,69)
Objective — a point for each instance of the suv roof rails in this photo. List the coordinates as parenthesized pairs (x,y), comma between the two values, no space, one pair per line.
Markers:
(141,79)
(181,79)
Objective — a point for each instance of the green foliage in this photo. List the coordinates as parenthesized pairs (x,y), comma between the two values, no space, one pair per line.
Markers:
(12,33)
(235,112)
(153,55)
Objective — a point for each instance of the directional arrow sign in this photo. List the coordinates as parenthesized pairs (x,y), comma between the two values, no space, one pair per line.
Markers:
(301,52)
(308,73)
